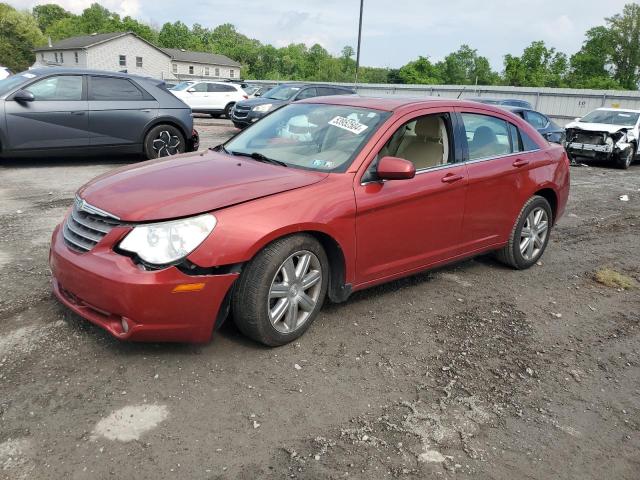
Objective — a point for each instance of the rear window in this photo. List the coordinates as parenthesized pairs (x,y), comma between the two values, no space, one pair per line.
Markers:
(114,89)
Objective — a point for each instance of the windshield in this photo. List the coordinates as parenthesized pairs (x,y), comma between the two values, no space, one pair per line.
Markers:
(612,117)
(10,83)
(282,92)
(310,136)
(182,86)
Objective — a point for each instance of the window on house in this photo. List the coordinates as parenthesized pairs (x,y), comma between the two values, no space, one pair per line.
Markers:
(206,71)
(42,57)
(191,69)
(232,73)
(61,57)
(174,67)
(217,72)
(123,60)
(139,62)
(76,56)
(56,54)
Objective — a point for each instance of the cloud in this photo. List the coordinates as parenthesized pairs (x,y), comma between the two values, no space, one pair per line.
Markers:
(393,32)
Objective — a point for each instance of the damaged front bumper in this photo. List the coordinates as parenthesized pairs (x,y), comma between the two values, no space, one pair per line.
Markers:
(597,145)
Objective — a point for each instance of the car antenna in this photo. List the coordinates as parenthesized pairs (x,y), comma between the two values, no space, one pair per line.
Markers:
(461,92)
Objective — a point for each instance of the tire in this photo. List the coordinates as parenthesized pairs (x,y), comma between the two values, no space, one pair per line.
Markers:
(262,300)
(214,115)
(240,126)
(163,141)
(625,159)
(512,254)
(227,110)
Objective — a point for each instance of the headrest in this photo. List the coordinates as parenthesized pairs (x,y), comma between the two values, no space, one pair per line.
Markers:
(428,127)
(484,136)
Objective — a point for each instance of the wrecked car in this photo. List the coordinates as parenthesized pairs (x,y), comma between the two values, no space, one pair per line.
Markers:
(605,134)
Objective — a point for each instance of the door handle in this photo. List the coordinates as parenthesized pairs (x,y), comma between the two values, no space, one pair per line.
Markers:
(520,163)
(77,113)
(146,110)
(451,177)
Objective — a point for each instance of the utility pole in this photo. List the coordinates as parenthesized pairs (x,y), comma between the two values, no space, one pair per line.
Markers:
(359,41)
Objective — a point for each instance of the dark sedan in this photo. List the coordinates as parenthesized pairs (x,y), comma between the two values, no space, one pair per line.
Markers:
(58,111)
(248,111)
(547,127)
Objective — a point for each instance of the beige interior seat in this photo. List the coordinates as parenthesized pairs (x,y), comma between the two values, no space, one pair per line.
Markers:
(429,146)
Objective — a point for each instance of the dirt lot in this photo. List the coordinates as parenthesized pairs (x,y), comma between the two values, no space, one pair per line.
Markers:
(473,371)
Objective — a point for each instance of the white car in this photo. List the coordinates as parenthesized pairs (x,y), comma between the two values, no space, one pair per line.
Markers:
(5,73)
(605,134)
(214,98)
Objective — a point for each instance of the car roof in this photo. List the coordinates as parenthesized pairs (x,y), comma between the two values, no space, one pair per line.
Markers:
(302,84)
(45,71)
(390,104)
(605,109)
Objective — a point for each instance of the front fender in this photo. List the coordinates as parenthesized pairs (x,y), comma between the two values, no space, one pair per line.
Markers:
(327,207)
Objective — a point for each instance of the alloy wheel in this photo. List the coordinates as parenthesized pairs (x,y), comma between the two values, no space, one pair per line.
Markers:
(534,233)
(166,144)
(294,291)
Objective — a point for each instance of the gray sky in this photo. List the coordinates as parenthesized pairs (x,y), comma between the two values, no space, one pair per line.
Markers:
(394,31)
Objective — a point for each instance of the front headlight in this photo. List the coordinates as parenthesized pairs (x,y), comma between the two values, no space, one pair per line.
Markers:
(263,108)
(167,242)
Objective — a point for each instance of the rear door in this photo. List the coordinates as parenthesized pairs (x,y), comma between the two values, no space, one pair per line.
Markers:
(498,166)
(57,118)
(307,93)
(119,111)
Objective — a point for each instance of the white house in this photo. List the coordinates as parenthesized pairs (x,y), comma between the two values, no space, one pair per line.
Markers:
(125,51)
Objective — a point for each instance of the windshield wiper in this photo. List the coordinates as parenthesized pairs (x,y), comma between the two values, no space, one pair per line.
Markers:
(219,148)
(260,158)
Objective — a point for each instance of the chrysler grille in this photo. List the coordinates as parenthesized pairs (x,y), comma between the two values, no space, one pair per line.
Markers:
(82,231)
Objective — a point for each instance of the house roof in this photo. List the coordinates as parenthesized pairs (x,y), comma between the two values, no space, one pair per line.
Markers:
(199,57)
(83,41)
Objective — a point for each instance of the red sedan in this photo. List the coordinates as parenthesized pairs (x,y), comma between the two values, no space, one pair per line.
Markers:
(319,199)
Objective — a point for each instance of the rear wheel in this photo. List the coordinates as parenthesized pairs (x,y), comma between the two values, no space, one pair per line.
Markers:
(530,235)
(281,291)
(164,141)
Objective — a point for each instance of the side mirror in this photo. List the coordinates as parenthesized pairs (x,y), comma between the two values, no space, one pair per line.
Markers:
(394,168)
(191,90)
(257,94)
(23,96)
(577,119)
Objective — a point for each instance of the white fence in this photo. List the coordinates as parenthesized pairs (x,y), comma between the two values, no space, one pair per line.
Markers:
(561,104)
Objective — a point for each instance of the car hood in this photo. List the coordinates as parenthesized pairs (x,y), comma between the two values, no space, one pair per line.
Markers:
(188,185)
(254,102)
(598,127)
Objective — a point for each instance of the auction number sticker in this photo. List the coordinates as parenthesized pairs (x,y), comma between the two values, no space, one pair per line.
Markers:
(352,126)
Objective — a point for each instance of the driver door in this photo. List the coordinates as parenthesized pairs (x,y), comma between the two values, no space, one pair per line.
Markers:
(407,225)
(56,118)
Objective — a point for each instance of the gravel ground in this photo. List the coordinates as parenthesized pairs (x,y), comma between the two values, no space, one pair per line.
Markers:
(472,371)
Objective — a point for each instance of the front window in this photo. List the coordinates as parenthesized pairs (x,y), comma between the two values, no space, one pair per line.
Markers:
(67,87)
(612,117)
(122,60)
(310,136)
(282,92)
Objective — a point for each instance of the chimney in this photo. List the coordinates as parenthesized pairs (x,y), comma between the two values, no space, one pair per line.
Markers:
(50,44)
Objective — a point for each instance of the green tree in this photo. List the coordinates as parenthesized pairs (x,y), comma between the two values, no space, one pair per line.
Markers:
(420,71)
(539,66)
(466,67)
(178,35)
(624,31)
(49,13)
(19,33)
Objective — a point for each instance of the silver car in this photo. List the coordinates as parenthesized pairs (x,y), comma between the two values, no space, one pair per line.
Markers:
(62,111)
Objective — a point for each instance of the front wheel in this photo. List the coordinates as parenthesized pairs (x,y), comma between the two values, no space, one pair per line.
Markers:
(164,141)
(625,159)
(530,235)
(281,291)
(227,110)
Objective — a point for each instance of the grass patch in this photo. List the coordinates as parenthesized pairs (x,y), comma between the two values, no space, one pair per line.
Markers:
(613,279)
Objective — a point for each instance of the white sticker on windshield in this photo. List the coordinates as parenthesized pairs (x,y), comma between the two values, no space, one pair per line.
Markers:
(28,75)
(352,126)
